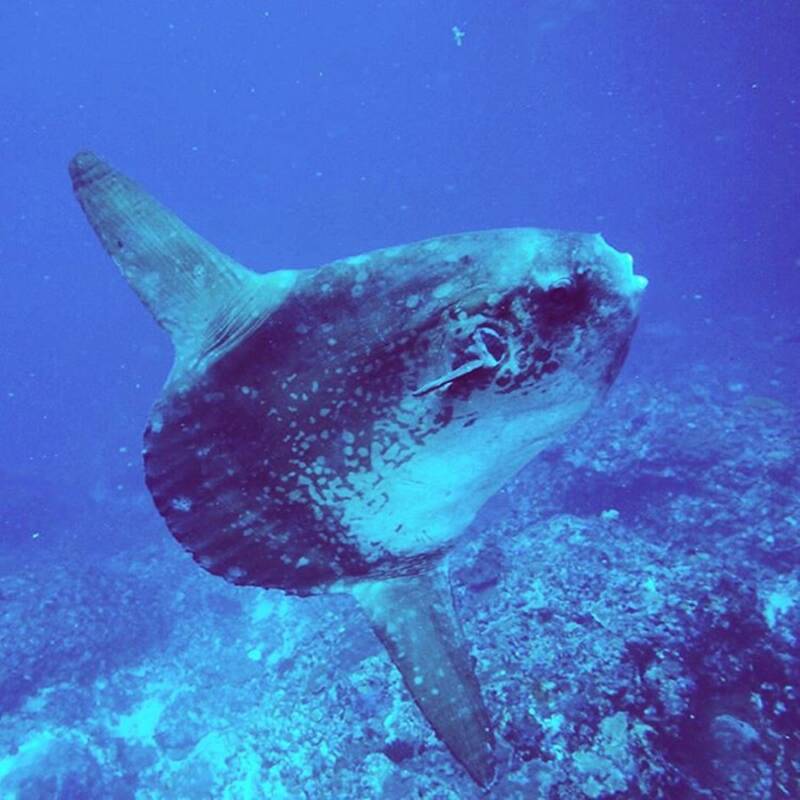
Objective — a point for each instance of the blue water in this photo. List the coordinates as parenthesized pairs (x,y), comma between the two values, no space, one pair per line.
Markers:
(291,133)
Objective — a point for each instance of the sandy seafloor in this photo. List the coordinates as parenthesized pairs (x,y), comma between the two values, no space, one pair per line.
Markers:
(632,599)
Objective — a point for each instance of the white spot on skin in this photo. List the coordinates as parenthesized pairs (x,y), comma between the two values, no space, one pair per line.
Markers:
(181,504)
(357,261)
(443,290)
(435,494)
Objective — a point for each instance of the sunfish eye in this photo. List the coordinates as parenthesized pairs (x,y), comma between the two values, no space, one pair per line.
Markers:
(564,298)
(561,289)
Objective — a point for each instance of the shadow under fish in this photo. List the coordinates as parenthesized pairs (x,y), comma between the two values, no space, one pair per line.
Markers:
(337,429)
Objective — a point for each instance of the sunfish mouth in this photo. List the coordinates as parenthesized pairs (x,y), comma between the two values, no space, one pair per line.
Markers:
(620,269)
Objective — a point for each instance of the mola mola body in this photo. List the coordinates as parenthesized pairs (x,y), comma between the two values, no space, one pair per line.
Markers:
(337,429)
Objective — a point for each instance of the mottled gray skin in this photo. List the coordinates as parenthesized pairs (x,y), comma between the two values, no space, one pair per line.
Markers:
(255,462)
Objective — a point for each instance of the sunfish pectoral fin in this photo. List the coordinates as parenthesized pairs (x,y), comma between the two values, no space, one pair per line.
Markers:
(449,377)
(415,619)
(201,297)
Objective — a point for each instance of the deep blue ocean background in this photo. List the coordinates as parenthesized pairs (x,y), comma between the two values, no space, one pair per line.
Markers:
(291,133)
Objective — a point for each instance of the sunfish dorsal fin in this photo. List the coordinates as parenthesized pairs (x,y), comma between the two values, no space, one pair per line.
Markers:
(205,300)
(415,620)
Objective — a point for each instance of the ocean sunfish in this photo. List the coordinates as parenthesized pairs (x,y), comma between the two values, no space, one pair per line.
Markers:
(337,429)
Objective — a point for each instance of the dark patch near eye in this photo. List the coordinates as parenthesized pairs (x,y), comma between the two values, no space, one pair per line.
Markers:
(562,293)
(463,349)
(550,367)
(565,301)
(565,304)
(476,381)
(541,354)
(444,416)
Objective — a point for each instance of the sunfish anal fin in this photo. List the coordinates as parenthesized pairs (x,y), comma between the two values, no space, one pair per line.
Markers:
(415,619)
(205,300)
